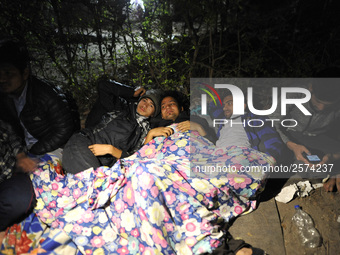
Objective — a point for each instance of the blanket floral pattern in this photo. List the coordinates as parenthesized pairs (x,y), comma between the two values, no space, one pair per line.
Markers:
(153,202)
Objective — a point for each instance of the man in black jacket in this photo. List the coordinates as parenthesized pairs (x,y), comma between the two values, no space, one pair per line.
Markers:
(38,112)
(120,133)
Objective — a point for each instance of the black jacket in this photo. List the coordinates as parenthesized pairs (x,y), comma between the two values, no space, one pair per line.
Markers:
(120,129)
(47,115)
(112,96)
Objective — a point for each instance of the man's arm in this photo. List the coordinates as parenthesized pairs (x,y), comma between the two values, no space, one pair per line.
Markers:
(111,96)
(104,149)
(159,131)
(13,153)
(297,149)
(209,131)
(58,117)
(270,141)
(25,164)
(108,90)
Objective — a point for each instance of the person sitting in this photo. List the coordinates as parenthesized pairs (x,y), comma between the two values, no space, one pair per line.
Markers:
(174,109)
(17,197)
(260,137)
(118,135)
(312,133)
(38,112)
(110,96)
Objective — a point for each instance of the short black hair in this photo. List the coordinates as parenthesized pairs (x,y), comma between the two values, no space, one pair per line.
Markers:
(181,99)
(14,53)
(228,93)
(327,90)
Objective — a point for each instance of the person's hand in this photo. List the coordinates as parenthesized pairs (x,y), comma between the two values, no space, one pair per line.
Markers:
(332,183)
(330,158)
(159,131)
(139,92)
(326,159)
(244,251)
(184,126)
(298,149)
(103,149)
(190,125)
(25,164)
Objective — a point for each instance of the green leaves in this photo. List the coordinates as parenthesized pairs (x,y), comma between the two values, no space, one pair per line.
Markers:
(73,43)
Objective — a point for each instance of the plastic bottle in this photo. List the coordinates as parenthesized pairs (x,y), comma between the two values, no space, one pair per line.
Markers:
(309,235)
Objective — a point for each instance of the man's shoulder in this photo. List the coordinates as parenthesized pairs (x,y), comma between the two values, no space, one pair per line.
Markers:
(250,115)
(39,85)
(260,123)
(43,90)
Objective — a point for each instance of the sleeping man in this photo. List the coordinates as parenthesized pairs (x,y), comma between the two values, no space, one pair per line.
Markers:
(260,137)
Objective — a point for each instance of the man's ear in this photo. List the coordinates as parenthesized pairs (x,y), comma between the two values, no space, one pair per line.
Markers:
(245,106)
(26,73)
(310,88)
(182,109)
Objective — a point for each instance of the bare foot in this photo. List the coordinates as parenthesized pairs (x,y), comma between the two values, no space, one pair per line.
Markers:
(329,185)
(244,251)
(332,183)
(2,236)
(337,181)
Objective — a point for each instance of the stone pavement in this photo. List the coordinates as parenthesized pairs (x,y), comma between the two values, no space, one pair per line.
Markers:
(270,226)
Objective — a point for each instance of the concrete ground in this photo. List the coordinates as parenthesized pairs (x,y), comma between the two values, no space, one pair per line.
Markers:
(270,226)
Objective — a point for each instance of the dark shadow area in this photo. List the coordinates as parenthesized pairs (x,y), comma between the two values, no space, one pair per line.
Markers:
(273,187)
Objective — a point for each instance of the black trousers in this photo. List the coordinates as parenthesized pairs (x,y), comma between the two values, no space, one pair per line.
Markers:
(77,157)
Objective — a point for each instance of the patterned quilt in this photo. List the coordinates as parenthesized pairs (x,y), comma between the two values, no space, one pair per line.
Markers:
(170,197)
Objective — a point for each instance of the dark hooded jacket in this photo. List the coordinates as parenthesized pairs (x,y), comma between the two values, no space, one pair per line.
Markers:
(113,120)
(112,96)
(121,129)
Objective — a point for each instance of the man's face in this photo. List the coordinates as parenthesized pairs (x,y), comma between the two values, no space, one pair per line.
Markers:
(169,108)
(146,107)
(11,79)
(228,106)
(319,105)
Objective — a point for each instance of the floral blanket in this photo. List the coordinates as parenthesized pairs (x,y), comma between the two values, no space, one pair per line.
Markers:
(160,200)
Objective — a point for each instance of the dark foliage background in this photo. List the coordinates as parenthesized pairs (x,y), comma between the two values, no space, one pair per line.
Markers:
(74,42)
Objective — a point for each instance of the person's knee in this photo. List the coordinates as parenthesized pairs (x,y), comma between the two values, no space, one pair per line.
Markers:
(17,199)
